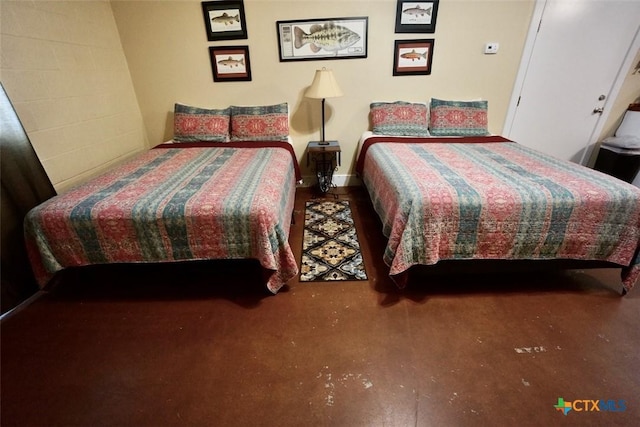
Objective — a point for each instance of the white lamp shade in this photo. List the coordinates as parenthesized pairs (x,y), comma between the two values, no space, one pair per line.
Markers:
(324,85)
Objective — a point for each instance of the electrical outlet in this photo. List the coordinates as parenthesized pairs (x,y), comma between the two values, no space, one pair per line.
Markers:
(491,48)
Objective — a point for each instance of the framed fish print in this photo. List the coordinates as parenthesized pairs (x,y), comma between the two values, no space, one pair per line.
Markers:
(416,16)
(315,39)
(224,20)
(230,63)
(412,57)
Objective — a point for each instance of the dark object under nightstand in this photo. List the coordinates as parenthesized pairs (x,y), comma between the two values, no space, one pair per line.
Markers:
(326,156)
(621,162)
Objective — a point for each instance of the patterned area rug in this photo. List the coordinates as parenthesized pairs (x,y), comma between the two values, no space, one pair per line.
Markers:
(330,248)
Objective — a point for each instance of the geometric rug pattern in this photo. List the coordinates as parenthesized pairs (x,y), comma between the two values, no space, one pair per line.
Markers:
(330,247)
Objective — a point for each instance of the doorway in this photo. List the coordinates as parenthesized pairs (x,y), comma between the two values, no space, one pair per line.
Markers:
(570,74)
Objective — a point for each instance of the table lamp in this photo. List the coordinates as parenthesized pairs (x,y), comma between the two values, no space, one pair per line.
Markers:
(324,86)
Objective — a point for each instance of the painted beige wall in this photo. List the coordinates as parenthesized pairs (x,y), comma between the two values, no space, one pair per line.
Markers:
(167,52)
(64,69)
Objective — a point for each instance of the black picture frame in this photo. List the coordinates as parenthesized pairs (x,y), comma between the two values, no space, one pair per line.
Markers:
(296,42)
(224,20)
(413,57)
(230,63)
(416,16)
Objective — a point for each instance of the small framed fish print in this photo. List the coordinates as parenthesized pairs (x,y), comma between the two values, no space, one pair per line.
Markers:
(224,20)
(416,16)
(230,63)
(412,57)
(315,39)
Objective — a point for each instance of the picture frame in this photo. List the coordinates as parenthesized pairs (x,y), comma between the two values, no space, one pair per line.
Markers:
(413,57)
(224,20)
(416,16)
(314,39)
(230,63)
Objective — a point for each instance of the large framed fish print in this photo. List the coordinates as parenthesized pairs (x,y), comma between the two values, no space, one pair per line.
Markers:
(224,20)
(416,16)
(315,39)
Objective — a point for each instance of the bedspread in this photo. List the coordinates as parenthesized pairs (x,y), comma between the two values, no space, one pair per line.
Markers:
(173,204)
(500,200)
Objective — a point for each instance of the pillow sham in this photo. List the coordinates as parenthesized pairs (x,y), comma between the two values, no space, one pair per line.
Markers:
(192,124)
(458,118)
(260,123)
(399,118)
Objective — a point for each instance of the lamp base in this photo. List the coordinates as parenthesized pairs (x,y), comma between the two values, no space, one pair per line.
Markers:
(323,142)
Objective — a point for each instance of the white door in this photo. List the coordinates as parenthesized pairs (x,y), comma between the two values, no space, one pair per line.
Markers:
(577,54)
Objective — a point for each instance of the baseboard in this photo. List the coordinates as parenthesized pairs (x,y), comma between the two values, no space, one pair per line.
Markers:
(339,180)
(22,305)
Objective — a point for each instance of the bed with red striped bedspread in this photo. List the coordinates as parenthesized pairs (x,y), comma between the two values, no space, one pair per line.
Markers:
(491,198)
(176,202)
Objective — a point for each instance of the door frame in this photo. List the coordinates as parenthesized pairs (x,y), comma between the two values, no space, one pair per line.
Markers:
(527,52)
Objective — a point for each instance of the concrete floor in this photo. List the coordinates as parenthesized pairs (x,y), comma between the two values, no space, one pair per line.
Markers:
(205,344)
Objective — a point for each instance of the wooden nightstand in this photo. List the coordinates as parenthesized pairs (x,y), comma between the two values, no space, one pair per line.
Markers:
(326,156)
